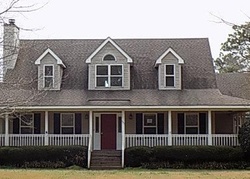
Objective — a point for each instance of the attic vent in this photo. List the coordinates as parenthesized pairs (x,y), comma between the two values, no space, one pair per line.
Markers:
(109,57)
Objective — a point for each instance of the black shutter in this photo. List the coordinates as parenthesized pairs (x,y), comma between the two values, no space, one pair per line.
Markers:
(78,123)
(203,123)
(16,125)
(180,123)
(160,117)
(138,123)
(37,123)
(56,123)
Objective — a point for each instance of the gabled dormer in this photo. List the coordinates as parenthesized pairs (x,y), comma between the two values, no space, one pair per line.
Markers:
(109,67)
(169,70)
(50,71)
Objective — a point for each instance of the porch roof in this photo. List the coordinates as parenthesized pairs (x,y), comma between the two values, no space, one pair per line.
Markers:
(139,97)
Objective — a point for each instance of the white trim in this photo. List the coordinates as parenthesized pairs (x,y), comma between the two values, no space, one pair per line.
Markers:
(108,60)
(58,60)
(61,121)
(132,108)
(109,76)
(165,76)
(129,59)
(53,75)
(169,50)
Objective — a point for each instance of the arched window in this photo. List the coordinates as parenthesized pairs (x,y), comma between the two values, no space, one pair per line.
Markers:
(109,57)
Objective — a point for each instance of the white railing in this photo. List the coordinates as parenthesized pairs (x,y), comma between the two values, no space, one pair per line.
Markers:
(189,139)
(26,139)
(2,139)
(225,139)
(149,140)
(68,139)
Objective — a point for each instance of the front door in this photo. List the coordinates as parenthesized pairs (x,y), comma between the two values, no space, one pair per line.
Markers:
(108,131)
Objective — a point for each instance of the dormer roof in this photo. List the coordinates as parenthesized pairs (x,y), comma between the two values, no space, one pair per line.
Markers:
(169,50)
(109,40)
(49,51)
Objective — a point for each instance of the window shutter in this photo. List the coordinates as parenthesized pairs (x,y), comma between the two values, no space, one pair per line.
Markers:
(203,123)
(138,123)
(56,123)
(180,123)
(16,125)
(78,123)
(37,123)
(160,117)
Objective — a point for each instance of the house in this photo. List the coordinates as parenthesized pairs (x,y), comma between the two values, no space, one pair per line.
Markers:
(110,94)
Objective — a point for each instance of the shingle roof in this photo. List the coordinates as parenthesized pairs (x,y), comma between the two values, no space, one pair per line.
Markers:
(198,77)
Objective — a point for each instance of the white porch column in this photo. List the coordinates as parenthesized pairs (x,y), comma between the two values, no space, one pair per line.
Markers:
(123,137)
(170,128)
(46,139)
(6,142)
(210,128)
(90,137)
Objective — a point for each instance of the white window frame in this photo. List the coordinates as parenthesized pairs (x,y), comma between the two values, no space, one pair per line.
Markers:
(156,122)
(165,76)
(21,126)
(109,76)
(185,122)
(45,76)
(61,124)
(109,60)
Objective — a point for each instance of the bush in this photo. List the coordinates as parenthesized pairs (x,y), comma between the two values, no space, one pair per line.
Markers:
(206,157)
(244,139)
(50,156)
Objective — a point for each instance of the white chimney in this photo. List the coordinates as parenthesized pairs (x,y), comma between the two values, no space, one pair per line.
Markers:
(10,45)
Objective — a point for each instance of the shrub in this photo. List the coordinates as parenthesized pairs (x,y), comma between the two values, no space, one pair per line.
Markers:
(206,157)
(54,156)
(244,138)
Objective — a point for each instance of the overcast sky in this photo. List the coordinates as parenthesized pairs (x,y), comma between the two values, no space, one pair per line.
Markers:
(73,19)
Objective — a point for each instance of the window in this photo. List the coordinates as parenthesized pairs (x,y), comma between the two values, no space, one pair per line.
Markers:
(169,75)
(27,124)
(67,123)
(192,123)
(48,76)
(109,75)
(109,57)
(150,123)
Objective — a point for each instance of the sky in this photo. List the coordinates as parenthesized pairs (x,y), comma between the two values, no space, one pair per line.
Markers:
(95,19)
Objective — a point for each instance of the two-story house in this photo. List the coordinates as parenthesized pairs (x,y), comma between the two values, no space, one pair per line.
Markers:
(110,94)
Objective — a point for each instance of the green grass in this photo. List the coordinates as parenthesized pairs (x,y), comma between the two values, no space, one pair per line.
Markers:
(124,174)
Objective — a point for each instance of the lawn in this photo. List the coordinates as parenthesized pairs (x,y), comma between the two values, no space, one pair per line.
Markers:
(124,174)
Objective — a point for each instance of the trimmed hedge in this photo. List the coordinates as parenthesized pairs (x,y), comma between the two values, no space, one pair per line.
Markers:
(43,156)
(205,157)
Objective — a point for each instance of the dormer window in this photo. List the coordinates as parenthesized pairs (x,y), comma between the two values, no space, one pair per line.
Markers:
(109,57)
(170,75)
(48,76)
(109,75)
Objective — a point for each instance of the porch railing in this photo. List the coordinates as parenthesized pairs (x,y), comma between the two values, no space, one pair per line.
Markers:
(225,139)
(2,139)
(150,140)
(187,139)
(26,139)
(71,139)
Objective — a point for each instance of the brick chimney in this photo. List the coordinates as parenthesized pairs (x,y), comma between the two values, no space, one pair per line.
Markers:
(10,45)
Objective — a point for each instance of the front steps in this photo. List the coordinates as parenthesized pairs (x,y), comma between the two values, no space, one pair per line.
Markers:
(106,159)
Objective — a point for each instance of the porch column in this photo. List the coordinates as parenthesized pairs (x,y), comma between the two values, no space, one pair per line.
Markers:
(90,137)
(46,139)
(210,128)
(6,142)
(170,128)
(123,137)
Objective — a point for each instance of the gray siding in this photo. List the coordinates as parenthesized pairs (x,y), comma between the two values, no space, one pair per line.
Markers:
(58,72)
(120,59)
(169,59)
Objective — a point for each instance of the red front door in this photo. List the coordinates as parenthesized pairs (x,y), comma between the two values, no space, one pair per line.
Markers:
(108,126)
